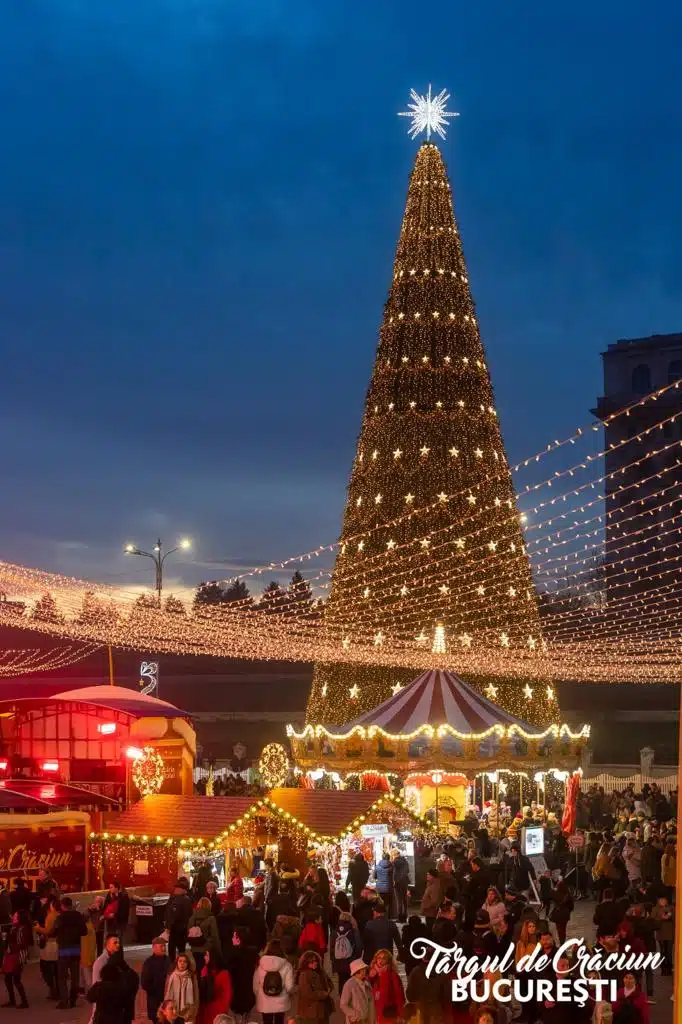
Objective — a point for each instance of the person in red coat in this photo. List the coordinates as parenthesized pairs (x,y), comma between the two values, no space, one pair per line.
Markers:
(313,937)
(389,998)
(215,989)
(235,887)
(632,994)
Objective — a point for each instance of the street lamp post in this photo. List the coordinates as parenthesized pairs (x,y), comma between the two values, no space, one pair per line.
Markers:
(436,779)
(158,557)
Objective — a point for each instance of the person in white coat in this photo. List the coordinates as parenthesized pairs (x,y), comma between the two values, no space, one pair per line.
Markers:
(273,983)
(357,999)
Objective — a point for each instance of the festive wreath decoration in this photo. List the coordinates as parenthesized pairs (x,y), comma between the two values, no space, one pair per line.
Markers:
(274,765)
(148,771)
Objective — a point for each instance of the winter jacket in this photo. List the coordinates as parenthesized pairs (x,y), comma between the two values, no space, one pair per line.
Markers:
(496,911)
(521,871)
(88,945)
(313,938)
(363,912)
(401,872)
(182,987)
(409,934)
(153,979)
(5,907)
(122,912)
(664,922)
(637,999)
(178,911)
(669,870)
(203,919)
(273,1004)
(379,934)
(651,862)
(432,898)
(114,995)
(358,873)
(235,890)
(287,931)
(271,886)
(68,930)
(314,995)
(241,963)
(632,855)
(383,874)
(221,1000)
(357,1002)
(430,994)
(345,926)
(387,989)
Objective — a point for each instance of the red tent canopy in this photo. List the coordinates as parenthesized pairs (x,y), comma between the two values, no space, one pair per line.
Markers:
(11,800)
(55,794)
(438,697)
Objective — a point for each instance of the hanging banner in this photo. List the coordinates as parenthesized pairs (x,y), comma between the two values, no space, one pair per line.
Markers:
(60,849)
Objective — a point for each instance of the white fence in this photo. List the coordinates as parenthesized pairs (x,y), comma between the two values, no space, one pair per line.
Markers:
(666,783)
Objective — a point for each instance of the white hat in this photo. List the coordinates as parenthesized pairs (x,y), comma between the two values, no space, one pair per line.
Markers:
(357,965)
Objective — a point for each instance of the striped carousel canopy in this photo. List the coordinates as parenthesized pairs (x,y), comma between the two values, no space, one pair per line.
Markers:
(436,698)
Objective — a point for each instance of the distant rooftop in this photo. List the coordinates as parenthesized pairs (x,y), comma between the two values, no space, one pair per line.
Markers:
(653,341)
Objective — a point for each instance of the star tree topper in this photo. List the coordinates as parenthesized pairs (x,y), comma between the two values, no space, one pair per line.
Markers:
(428,113)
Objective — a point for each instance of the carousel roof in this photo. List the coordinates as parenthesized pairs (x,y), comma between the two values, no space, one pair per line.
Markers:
(438,697)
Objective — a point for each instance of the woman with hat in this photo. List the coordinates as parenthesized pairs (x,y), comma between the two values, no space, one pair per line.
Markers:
(357,999)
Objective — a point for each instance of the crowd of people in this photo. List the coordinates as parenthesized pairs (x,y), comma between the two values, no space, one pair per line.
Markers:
(298,948)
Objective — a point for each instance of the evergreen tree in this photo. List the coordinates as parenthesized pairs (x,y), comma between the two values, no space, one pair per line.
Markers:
(208,594)
(145,602)
(174,605)
(237,591)
(300,595)
(273,599)
(46,610)
(431,531)
(96,612)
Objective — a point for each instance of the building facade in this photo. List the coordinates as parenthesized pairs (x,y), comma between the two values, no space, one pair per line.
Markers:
(643,485)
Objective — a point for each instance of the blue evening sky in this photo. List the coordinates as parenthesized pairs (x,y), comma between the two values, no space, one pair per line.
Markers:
(199,202)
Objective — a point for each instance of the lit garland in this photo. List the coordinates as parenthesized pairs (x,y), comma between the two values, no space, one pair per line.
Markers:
(148,771)
(274,765)
(16,662)
(286,823)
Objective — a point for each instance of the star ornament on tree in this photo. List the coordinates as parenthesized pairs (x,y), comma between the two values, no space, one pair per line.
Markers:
(428,113)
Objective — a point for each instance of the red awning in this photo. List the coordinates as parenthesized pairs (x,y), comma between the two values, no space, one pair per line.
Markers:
(10,800)
(58,794)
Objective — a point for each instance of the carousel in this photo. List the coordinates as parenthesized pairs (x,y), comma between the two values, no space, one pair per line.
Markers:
(444,742)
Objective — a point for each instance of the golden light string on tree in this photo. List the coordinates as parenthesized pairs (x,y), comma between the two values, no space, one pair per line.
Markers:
(399,572)
(429,603)
(580,432)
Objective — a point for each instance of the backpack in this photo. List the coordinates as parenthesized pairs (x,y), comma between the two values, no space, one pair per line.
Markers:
(272,983)
(343,949)
(195,935)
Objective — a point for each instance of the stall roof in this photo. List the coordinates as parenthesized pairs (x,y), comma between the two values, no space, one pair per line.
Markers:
(198,820)
(179,817)
(325,812)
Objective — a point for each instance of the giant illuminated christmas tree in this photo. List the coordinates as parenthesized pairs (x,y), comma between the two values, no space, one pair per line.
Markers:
(431,531)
